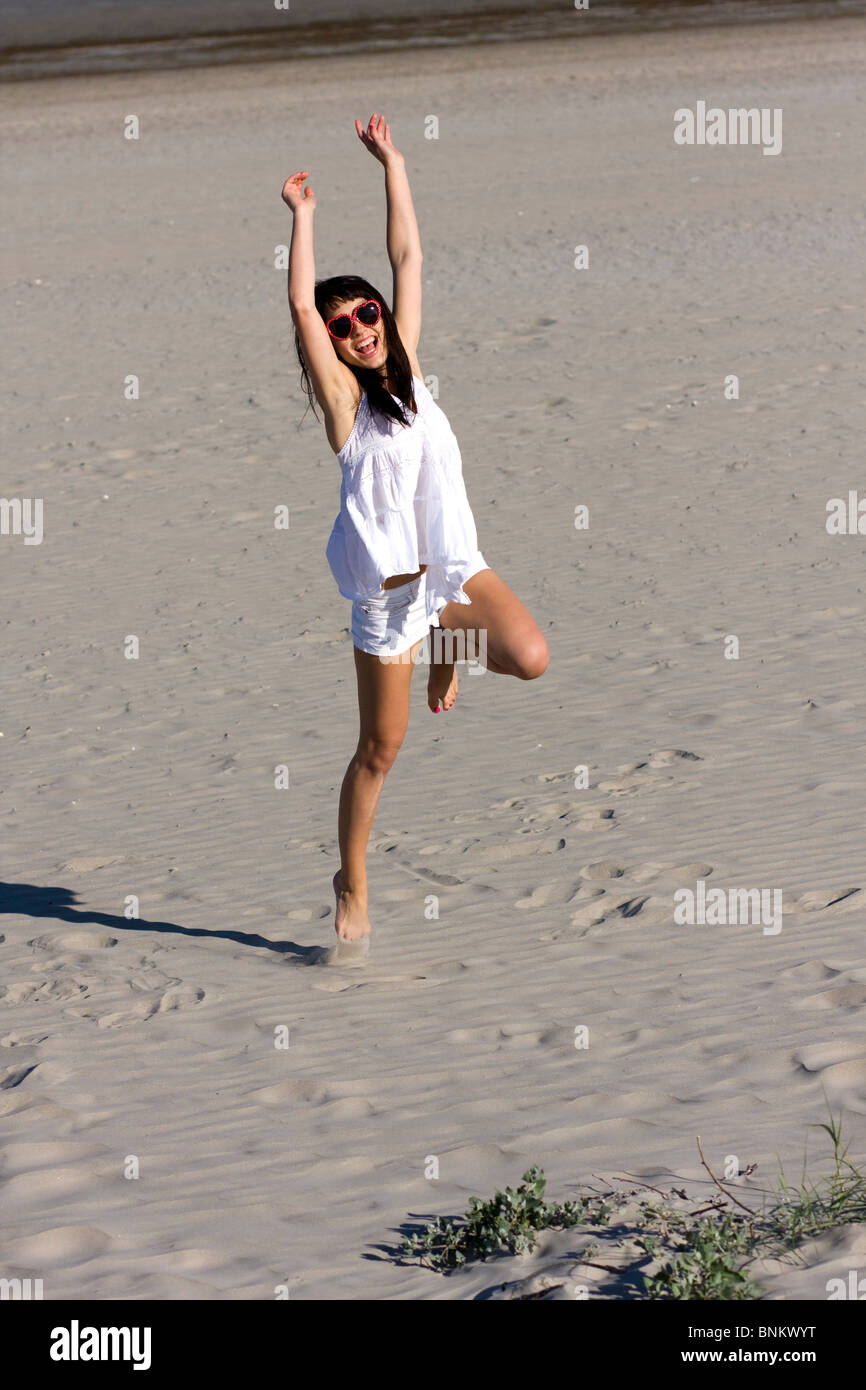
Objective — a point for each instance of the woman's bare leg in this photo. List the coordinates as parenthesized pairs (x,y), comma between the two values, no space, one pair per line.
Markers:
(383,704)
(515,643)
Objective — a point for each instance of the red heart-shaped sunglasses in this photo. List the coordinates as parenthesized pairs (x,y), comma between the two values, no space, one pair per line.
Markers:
(367,313)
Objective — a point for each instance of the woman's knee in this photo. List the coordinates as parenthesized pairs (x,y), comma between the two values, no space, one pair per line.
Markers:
(531,659)
(378,754)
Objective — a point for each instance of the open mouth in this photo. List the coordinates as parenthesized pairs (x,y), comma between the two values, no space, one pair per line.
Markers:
(367,346)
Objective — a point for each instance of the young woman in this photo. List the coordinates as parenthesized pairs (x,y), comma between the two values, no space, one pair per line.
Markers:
(404,548)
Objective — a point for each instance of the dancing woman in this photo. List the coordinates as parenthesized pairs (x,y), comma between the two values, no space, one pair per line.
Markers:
(404,547)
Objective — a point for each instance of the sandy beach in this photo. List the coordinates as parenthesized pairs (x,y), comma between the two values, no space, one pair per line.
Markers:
(148,784)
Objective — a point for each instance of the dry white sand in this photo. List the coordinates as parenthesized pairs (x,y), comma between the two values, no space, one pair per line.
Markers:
(154,777)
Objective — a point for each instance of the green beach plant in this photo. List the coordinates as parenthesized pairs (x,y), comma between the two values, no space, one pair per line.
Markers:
(509,1221)
(702,1254)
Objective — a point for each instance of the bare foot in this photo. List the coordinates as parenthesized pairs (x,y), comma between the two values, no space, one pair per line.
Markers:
(352,923)
(344,953)
(442,686)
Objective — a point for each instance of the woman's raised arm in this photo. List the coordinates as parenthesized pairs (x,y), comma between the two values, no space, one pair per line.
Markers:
(403,237)
(333,383)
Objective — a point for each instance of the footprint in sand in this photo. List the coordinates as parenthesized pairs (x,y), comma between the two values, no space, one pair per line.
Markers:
(505,1038)
(632,906)
(122,1018)
(582,895)
(552,810)
(602,819)
(521,848)
(660,664)
(537,897)
(635,773)
(422,871)
(809,970)
(678,875)
(440,880)
(596,905)
(844,994)
(23,1039)
(591,914)
(469,817)
(87,866)
(668,757)
(181,997)
(843,899)
(309,1091)
(618,788)
(10,1077)
(490,1034)
(603,869)
(37,992)
(78,941)
(601,910)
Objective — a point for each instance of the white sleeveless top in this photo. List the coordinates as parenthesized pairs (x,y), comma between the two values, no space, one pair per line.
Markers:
(403,504)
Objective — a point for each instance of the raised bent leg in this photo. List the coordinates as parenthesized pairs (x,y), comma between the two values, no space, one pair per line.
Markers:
(383,704)
(515,643)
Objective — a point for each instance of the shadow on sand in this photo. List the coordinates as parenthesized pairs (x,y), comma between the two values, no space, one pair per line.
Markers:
(59,904)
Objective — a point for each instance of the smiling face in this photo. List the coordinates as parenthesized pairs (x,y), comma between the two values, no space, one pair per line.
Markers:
(366,345)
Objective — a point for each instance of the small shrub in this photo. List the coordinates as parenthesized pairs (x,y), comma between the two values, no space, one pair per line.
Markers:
(510,1221)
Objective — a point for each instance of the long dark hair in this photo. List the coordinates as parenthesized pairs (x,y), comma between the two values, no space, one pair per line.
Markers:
(335,291)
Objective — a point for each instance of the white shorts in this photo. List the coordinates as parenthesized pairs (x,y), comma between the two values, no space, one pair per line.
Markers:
(393,620)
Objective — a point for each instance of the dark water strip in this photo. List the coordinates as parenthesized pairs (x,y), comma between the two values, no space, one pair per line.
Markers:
(289,38)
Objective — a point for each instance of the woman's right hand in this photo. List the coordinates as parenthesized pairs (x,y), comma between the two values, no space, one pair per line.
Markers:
(296,195)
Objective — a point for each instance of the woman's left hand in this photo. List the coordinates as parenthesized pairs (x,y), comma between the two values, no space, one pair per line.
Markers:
(377,138)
